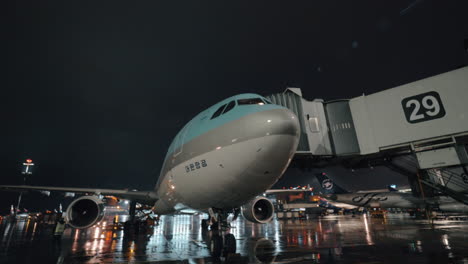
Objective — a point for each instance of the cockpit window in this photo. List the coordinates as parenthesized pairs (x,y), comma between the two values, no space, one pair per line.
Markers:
(229,107)
(250,101)
(218,112)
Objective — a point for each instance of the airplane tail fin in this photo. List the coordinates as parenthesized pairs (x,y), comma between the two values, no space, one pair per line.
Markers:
(328,186)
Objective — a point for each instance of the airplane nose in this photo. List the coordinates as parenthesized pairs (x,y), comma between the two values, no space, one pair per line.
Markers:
(272,150)
(271,139)
(282,122)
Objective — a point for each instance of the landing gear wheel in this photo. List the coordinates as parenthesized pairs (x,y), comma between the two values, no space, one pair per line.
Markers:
(204,224)
(229,245)
(216,246)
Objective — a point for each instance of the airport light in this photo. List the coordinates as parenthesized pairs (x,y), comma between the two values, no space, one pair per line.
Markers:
(27,170)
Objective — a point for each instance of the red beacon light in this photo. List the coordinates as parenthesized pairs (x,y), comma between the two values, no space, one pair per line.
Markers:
(29,160)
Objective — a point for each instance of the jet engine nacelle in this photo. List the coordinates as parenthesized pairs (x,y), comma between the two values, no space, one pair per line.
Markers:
(85,212)
(259,210)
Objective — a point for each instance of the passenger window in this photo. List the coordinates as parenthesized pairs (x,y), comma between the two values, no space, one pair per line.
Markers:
(218,112)
(229,107)
(250,101)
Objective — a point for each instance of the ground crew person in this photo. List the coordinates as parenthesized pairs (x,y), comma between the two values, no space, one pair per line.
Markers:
(58,232)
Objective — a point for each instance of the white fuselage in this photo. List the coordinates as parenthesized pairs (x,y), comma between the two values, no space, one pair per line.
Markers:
(228,166)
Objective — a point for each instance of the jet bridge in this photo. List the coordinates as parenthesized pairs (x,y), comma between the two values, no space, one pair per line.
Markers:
(426,120)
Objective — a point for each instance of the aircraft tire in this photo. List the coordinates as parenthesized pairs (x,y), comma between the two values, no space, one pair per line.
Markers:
(229,245)
(204,224)
(216,246)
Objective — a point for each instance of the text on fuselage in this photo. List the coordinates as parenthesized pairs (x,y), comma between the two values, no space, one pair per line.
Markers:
(195,165)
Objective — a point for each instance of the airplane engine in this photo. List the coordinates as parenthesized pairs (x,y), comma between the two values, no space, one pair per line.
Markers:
(85,211)
(259,210)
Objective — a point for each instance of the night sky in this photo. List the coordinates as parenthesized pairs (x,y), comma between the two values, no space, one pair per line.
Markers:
(95,92)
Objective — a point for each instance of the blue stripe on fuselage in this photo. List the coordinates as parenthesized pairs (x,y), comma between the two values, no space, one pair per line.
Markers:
(203,123)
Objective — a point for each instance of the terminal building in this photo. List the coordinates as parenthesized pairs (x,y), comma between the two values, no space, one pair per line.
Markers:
(418,129)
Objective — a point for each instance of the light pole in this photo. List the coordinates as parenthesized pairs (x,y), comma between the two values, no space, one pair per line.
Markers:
(27,170)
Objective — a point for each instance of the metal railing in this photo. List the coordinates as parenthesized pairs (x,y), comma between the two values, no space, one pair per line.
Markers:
(452,183)
(443,180)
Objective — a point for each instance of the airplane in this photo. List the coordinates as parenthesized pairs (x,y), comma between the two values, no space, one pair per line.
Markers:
(219,163)
(390,198)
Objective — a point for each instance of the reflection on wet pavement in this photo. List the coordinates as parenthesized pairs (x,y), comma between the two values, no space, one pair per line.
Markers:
(329,239)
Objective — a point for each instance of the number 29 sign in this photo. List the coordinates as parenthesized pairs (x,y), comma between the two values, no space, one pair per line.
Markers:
(423,107)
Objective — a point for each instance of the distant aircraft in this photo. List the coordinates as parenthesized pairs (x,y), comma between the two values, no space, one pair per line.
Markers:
(391,198)
(321,201)
(219,163)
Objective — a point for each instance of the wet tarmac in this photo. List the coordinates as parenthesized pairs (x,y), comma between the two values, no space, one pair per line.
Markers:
(179,239)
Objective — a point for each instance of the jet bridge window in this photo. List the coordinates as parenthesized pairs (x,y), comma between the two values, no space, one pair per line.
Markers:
(229,107)
(250,101)
(219,111)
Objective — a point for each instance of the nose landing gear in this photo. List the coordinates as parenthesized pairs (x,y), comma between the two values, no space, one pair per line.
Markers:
(205,224)
(217,219)
(222,243)
(230,245)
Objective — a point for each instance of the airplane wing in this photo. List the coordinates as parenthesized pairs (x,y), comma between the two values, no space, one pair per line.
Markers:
(273,191)
(376,191)
(140,196)
(322,198)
